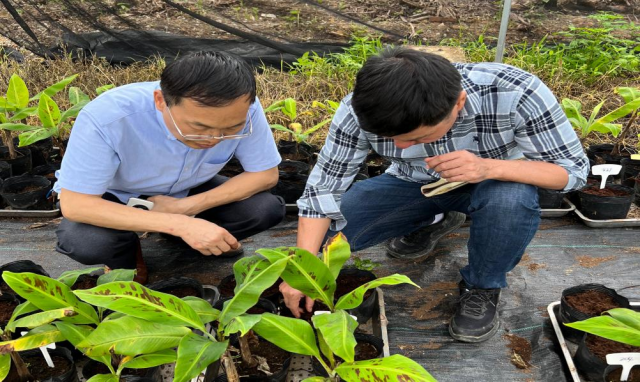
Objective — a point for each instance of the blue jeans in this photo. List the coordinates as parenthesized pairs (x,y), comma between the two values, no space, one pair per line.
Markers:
(505,216)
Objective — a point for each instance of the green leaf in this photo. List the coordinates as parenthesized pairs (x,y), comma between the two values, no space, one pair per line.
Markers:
(132,336)
(76,96)
(72,112)
(610,328)
(393,368)
(276,126)
(627,317)
(104,378)
(573,109)
(627,93)
(48,112)
(242,324)
(305,272)
(134,299)
(325,349)
(335,253)
(354,298)
(195,353)
(55,88)
(5,105)
(146,361)
(316,127)
(607,128)
(104,88)
(246,267)
(620,112)
(29,137)
(316,379)
(75,334)
(5,366)
(48,294)
(594,113)
(116,275)
(38,337)
(247,294)
(17,127)
(289,108)
(24,308)
(337,330)
(69,278)
(24,113)
(291,334)
(17,94)
(44,318)
(274,106)
(203,309)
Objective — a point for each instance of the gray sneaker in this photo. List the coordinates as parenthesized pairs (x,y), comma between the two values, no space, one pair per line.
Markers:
(419,244)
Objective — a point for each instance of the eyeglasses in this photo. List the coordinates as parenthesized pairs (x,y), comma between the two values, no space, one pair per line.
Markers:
(196,137)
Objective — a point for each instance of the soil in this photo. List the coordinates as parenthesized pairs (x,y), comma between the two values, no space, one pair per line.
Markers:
(183,292)
(274,355)
(39,369)
(591,302)
(29,188)
(614,376)
(520,351)
(604,192)
(602,346)
(99,368)
(85,282)
(365,351)
(317,306)
(592,262)
(6,310)
(346,284)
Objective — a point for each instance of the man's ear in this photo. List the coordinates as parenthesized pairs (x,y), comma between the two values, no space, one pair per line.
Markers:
(158,99)
(462,99)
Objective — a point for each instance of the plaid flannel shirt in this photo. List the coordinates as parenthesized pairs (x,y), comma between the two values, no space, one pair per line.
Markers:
(509,113)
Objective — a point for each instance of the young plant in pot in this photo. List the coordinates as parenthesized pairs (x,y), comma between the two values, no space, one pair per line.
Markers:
(333,339)
(605,201)
(613,341)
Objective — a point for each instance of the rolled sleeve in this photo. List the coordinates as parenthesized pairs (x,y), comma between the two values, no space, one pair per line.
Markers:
(345,148)
(258,152)
(90,161)
(543,133)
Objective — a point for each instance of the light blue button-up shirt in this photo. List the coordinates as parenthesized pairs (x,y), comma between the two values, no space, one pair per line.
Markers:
(121,145)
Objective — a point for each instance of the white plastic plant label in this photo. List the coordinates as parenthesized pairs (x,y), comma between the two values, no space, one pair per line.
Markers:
(627,360)
(44,351)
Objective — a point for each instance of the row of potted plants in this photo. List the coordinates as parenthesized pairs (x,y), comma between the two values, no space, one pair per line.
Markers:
(603,325)
(124,325)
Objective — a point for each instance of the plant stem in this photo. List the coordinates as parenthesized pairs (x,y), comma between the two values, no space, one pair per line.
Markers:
(623,134)
(8,141)
(230,367)
(21,368)
(245,352)
(326,367)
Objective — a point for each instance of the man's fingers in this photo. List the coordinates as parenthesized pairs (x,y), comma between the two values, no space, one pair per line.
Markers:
(294,305)
(224,247)
(231,241)
(309,304)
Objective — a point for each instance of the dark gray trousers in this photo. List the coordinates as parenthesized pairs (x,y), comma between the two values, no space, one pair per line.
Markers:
(89,244)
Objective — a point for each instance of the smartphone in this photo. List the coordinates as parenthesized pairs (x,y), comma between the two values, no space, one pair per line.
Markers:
(140,203)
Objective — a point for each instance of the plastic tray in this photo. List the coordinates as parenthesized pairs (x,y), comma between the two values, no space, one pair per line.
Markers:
(301,366)
(564,209)
(608,223)
(569,349)
(29,213)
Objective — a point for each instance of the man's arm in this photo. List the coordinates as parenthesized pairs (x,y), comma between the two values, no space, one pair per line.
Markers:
(200,234)
(235,189)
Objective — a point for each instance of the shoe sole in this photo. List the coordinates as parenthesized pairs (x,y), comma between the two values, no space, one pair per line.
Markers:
(474,339)
(425,253)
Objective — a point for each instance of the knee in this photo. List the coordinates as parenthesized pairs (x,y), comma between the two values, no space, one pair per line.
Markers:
(91,245)
(505,198)
(270,212)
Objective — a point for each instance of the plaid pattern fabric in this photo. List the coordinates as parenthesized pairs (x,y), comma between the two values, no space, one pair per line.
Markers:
(509,113)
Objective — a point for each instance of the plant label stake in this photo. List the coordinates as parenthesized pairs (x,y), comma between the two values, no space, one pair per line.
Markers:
(604,170)
(627,360)
(45,353)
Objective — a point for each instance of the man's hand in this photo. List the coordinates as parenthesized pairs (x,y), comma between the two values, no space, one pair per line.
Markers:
(292,299)
(206,237)
(169,205)
(461,166)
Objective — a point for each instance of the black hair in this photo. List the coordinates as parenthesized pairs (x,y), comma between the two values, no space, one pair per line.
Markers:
(209,78)
(401,89)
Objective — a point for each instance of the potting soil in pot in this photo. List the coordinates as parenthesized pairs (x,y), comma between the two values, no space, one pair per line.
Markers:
(6,310)
(614,376)
(39,369)
(274,355)
(600,347)
(591,302)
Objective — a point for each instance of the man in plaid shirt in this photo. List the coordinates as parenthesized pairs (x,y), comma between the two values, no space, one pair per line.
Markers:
(434,120)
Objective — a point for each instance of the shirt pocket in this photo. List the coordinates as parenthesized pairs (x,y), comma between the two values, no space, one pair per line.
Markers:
(208,170)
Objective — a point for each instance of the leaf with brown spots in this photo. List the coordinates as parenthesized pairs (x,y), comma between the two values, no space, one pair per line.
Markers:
(44,318)
(393,368)
(38,337)
(49,294)
(354,298)
(138,301)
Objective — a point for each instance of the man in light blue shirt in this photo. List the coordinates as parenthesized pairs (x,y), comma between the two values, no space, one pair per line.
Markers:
(167,141)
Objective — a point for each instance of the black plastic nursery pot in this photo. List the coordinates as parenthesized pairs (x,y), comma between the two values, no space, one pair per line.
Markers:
(179,287)
(19,266)
(292,181)
(636,188)
(550,199)
(65,370)
(8,302)
(613,373)
(597,150)
(589,364)
(376,164)
(40,151)
(20,165)
(279,375)
(569,314)
(612,202)
(152,374)
(228,284)
(630,171)
(46,170)
(363,351)
(296,151)
(26,191)
(262,306)
(348,280)
(5,170)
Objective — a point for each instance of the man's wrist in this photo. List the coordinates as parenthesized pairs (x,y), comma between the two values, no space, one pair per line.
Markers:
(175,224)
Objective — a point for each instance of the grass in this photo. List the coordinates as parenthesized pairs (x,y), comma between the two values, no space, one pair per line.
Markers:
(331,77)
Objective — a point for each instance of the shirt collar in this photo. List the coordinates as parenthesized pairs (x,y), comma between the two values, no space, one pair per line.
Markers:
(164,126)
